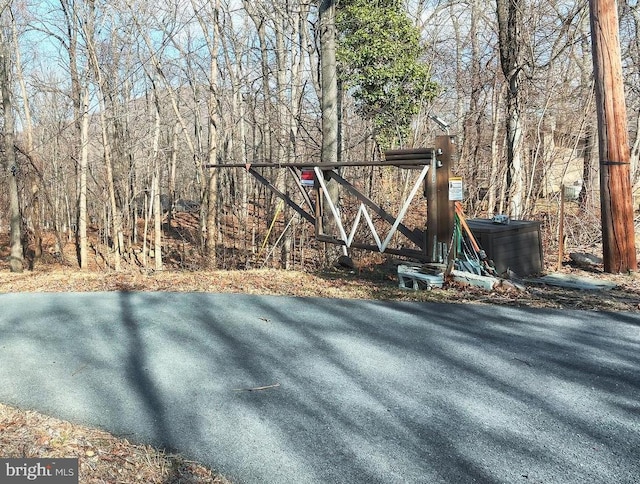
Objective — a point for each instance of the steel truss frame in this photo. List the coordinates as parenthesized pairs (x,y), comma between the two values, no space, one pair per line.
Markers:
(409,159)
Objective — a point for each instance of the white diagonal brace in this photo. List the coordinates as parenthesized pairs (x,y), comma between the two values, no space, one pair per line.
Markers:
(382,246)
(363,211)
(334,210)
(405,207)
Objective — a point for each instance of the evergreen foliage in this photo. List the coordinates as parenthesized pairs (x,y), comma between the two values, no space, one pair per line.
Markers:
(379,55)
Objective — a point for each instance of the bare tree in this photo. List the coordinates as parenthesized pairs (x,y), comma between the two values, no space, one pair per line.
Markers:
(208,18)
(88,28)
(509,14)
(80,102)
(10,163)
(259,20)
(82,182)
(32,180)
(236,50)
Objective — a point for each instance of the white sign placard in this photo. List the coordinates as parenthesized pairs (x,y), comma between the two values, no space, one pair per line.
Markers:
(455,189)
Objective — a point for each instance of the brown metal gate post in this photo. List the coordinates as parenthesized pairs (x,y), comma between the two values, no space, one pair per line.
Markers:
(431,231)
(445,207)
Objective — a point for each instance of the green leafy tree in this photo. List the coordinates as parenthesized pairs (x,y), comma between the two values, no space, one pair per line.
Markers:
(380,64)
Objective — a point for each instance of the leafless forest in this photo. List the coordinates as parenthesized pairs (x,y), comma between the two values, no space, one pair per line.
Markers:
(113,111)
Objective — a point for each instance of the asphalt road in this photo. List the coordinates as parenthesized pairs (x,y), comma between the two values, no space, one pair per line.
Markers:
(359,391)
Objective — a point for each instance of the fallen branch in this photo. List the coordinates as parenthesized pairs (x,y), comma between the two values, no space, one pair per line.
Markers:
(256,389)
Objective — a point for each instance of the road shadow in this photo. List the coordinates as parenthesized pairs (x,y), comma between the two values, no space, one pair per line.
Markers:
(276,389)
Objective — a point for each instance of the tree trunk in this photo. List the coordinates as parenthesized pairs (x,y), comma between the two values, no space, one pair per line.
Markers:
(495,180)
(16,257)
(472,124)
(72,17)
(587,158)
(509,24)
(82,182)
(33,179)
(116,223)
(329,100)
(211,29)
(173,158)
(157,206)
(116,226)
(284,151)
(635,157)
(259,22)
(214,120)
(328,82)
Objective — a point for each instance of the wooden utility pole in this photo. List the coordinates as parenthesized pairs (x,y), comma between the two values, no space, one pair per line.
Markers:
(616,206)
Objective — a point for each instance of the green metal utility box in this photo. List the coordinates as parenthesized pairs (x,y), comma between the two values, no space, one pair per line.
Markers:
(516,246)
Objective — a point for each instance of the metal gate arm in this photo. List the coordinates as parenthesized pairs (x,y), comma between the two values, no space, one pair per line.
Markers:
(307,216)
(403,229)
